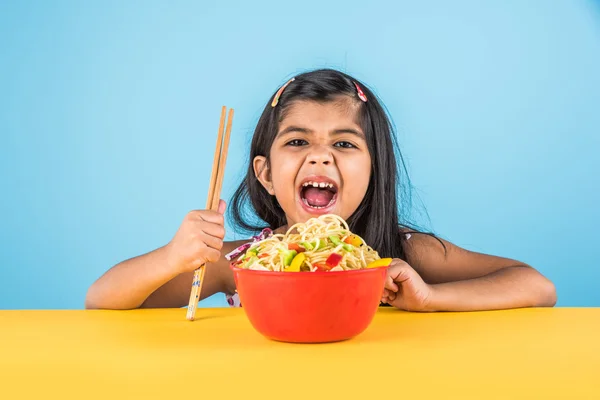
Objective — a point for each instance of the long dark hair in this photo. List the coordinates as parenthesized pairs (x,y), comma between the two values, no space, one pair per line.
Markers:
(386,205)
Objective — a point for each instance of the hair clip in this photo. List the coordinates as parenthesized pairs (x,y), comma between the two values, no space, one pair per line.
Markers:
(280,91)
(361,95)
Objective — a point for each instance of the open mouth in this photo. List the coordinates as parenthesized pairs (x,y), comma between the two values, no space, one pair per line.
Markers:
(318,194)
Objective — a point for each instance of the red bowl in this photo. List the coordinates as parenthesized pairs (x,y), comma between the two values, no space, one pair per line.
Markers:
(310,307)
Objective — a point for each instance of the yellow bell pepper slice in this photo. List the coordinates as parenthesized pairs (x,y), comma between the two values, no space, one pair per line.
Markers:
(296,263)
(353,240)
(382,262)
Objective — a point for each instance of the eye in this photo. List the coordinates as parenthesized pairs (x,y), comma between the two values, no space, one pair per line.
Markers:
(345,145)
(297,143)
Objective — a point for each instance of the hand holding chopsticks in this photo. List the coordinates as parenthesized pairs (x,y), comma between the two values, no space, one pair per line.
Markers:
(213,198)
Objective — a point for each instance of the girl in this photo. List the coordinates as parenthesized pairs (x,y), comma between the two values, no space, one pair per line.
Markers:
(323,145)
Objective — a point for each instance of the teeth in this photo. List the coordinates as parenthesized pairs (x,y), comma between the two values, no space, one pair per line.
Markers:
(318,184)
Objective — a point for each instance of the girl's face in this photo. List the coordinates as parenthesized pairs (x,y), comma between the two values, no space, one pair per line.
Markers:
(319,162)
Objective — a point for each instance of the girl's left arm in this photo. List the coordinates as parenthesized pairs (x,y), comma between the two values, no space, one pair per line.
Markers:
(455,279)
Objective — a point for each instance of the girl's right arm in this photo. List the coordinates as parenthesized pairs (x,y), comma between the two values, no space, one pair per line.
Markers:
(163,277)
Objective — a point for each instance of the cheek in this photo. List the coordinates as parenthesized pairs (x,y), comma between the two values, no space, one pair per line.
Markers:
(356,174)
(284,175)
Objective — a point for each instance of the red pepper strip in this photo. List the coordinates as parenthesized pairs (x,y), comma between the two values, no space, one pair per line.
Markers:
(333,260)
(297,247)
(263,255)
(322,267)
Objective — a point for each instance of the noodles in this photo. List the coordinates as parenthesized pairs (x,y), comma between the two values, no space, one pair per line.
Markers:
(321,244)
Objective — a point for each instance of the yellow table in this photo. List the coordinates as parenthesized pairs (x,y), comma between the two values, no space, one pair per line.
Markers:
(528,353)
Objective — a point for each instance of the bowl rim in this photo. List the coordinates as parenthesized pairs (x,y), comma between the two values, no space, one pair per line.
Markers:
(315,273)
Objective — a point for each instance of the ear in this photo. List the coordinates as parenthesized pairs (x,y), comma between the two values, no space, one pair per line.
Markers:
(262,171)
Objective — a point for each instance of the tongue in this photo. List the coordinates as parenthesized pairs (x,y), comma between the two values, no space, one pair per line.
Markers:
(318,197)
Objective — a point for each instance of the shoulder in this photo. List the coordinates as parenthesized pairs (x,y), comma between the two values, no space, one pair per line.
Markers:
(414,242)
(406,233)
(426,252)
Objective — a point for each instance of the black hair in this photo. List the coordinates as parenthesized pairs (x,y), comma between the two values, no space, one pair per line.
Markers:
(384,210)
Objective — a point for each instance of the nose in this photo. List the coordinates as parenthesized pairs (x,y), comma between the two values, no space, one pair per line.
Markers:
(320,155)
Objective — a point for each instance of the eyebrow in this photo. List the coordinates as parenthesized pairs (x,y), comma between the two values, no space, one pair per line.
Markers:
(307,131)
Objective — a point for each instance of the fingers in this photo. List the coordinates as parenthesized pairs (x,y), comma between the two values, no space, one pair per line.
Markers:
(216,230)
(211,241)
(212,255)
(390,286)
(388,297)
(400,272)
(392,297)
(222,206)
(207,255)
(208,215)
(396,274)
(404,288)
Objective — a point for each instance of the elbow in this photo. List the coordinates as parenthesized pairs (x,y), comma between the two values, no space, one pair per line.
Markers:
(91,302)
(537,290)
(546,294)
(550,294)
(95,299)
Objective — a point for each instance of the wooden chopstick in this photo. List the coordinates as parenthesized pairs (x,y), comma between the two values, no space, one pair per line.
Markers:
(216,161)
(219,180)
(212,201)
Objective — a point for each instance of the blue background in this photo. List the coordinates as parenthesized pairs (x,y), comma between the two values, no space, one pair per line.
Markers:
(109,112)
